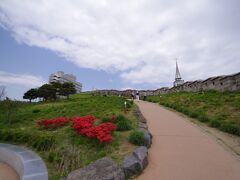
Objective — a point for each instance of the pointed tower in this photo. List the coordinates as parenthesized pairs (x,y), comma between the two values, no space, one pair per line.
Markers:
(178,80)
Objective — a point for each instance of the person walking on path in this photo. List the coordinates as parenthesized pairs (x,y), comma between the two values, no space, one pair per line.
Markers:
(137,96)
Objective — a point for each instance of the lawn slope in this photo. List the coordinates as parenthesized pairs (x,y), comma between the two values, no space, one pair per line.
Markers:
(61,149)
(217,109)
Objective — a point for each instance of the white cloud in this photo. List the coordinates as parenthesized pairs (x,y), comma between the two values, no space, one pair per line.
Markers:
(25,80)
(138,39)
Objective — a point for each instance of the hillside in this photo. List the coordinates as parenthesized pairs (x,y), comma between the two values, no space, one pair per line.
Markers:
(217,109)
(61,148)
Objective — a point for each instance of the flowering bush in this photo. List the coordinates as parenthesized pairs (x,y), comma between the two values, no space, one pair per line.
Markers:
(84,126)
(52,122)
(83,122)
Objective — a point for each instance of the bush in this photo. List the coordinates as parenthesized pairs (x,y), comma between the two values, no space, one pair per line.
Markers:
(36,110)
(215,123)
(129,103)
(105,119)
(203,118)
(38,141)
(123,124)
(193,114)
(136,137)
(230,128)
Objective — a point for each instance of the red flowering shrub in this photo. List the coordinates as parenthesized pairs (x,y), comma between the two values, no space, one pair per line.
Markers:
(84,126)
(83,122)
(52,122)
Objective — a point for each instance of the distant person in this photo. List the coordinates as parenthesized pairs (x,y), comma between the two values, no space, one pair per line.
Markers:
(137,95)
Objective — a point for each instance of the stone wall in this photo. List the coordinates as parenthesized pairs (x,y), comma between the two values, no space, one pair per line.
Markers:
(219,83)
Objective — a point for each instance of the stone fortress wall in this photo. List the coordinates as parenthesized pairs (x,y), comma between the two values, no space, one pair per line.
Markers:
(219,83)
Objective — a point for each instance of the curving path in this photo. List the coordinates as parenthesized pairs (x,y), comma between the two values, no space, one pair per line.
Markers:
(7,173)
(182,151)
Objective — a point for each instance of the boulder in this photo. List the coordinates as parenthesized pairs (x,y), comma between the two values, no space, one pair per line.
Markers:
(141,154)
(134,163)
(131,166)
(142,125)
(102,169)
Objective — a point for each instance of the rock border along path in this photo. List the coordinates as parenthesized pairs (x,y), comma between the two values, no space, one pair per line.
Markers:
(182,151)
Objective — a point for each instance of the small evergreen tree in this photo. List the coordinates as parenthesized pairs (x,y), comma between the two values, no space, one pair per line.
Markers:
(67,89)
(31,94)
(47,91)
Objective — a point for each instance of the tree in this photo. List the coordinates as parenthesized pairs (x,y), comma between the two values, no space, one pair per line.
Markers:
(31,94)
(47,91)
(67,89)
(2,92)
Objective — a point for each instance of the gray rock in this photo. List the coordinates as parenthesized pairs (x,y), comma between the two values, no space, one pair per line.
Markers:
(131,166)
(102,169)
(147,137)
(142,125)
(135,163)
(142,153)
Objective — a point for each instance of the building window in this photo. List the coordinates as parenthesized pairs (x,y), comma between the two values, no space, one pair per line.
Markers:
(221,84)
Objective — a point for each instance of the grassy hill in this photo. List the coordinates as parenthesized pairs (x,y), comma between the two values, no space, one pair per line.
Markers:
(217,109)
(61,149)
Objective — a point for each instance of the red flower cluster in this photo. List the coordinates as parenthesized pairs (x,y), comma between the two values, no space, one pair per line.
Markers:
(83,122)
(52,122)
(84,125)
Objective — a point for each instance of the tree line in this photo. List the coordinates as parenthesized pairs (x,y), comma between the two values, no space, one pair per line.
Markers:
(50,91)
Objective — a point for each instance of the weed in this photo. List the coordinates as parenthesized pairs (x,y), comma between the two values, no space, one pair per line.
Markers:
(136,137)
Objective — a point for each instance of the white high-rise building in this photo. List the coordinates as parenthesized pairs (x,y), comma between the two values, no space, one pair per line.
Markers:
(60,77)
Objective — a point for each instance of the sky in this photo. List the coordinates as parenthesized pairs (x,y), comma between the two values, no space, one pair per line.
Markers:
(111,44)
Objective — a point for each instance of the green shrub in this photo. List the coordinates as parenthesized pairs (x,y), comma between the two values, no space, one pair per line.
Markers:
(215,123)
(105,119)
(230,128)
(38,141)
(136,137)
(193,114)
(203,118)
(123,124)
(185,111)
(129,103)
(36,110)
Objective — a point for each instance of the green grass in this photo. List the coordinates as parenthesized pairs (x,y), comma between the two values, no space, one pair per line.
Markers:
(218,109)
(61,149)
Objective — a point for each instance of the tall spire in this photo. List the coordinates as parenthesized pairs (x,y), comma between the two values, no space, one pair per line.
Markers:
(177,75)
(178,80)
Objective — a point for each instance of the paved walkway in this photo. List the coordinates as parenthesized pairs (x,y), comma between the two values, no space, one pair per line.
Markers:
(182,151)
(7,173)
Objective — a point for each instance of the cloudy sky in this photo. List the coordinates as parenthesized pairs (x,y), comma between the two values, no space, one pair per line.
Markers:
(117,44)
